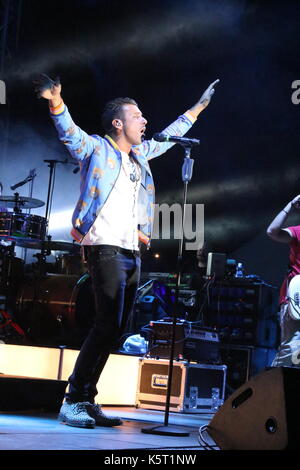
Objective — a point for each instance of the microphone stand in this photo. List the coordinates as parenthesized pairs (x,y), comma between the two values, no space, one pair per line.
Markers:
(52,165)
(32,175)
(166,430)
(30,178)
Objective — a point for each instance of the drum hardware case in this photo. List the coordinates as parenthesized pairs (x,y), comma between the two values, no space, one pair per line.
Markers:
(188,378)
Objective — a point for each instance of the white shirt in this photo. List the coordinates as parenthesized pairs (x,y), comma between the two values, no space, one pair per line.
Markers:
(116,223)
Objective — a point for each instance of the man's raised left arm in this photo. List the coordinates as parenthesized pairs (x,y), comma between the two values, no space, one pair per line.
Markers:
(151,148)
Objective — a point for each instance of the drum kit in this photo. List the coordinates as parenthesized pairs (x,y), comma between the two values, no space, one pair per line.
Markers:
(40,303)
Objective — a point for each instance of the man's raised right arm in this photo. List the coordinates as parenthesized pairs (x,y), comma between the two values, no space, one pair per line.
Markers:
(77,141)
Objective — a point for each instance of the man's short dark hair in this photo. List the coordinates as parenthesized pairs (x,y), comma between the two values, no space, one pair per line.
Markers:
(114,110)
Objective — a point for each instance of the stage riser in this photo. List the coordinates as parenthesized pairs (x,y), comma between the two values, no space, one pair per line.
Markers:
(117,384)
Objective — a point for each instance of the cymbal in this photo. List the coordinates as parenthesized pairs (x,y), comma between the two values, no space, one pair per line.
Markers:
(52,245)
(20,201)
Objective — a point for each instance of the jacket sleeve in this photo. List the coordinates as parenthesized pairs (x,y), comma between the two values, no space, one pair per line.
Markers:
(78,142)
(151,148)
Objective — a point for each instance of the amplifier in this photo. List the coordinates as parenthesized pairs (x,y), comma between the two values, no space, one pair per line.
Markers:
(192,342)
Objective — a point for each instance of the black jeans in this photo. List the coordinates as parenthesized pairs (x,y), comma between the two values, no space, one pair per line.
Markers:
(115,276)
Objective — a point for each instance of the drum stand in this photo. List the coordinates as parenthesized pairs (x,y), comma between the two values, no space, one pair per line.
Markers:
(7,294)
(45,248)
(46,239)
(32,175)
(187,171)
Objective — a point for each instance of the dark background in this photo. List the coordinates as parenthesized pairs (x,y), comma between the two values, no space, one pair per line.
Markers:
(164,54)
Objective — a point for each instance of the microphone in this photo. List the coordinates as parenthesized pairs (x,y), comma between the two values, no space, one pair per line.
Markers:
(178,140)
(15,186)
(21,183)
(76,170)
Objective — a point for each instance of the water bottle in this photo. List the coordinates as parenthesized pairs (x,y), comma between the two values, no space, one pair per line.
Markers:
(193,397)
(239,270)
(215,399)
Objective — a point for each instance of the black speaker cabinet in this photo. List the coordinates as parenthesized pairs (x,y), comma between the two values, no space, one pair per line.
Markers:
(263,414)
(30,393)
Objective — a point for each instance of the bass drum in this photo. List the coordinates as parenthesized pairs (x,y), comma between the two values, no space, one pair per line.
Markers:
(56,310)
(71,264)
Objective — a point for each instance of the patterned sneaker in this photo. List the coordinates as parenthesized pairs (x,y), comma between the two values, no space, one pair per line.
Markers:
(100,418)
(75,414)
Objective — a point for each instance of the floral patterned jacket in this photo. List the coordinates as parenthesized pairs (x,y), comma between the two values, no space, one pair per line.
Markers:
(100,164)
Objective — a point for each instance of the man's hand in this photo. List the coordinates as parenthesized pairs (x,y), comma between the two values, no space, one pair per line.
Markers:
(204,100)
(206,97)
(295,203)
(47,88)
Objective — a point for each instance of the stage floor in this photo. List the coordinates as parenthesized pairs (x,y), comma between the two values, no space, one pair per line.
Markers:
(39,431)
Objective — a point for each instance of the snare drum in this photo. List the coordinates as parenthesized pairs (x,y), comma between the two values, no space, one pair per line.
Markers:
(16,226)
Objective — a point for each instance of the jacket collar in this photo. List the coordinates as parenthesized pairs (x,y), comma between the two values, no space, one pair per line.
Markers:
(116,147)
(112,142)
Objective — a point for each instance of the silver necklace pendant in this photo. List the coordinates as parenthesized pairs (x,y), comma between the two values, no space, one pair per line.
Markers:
(134,175)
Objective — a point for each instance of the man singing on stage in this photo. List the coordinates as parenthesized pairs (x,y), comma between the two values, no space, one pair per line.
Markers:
(113,216)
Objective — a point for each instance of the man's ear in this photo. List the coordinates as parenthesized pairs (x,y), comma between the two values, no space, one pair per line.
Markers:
(117,123)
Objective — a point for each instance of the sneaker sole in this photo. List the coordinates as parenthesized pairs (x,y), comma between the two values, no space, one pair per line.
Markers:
(76,424)
(108,423)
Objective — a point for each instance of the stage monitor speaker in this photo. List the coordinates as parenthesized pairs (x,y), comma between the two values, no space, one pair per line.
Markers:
(30,393)
(263,414)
